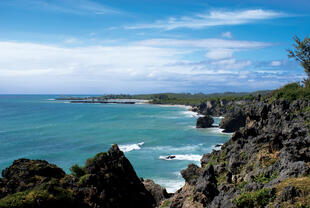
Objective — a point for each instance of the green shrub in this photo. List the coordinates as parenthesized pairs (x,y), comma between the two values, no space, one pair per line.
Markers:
(292,91)
(46,193)
(258,198)
(83,179)
(77,171)
(166,204)
(263,177)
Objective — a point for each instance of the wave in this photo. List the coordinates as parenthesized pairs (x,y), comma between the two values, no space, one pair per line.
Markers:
(218,146)
(175,149)
(220,131)
(189,157)
(170,185)
(130,147)
(191,114)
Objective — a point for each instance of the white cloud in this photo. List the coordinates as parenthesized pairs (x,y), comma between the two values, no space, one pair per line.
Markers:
(275,63)
(213,18)
(204,43)
(220,53)
(131,68)
(72,40)
(77,7)
(227,35)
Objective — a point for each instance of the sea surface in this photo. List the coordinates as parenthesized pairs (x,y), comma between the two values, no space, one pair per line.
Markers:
(38,127)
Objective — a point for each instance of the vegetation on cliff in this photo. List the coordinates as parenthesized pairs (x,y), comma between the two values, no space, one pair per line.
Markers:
(106,180)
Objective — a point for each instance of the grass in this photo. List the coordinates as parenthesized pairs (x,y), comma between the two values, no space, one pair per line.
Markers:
(257,199)
(46,193)
(292,91)
(165,204)
(263,177)
(303,185)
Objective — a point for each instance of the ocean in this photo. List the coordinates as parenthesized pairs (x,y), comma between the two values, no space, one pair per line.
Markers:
(38,127)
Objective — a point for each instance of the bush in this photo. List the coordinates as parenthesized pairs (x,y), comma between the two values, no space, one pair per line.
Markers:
(77,171)
(258,198)
(292,91)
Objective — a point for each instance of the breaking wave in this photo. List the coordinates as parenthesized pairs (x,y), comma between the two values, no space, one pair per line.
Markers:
(130,147)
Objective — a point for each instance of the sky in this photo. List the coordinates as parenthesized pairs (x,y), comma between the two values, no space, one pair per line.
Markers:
(148,46)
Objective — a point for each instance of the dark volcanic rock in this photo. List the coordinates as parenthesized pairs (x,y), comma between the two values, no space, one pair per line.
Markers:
(271,150)
(109,181)
(115,181)
(233,122)
(24,174)
(204,122)
(191,174)
(207,184)
(159,193)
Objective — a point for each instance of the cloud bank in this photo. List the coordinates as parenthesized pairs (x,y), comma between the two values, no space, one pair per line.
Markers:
(211,19)
(145,66)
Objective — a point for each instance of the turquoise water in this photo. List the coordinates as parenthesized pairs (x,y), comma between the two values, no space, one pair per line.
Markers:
(37,127)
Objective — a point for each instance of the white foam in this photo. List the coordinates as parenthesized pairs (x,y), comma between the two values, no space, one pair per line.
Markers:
(190,114)
(175,149)
(130,147)
(170,185)
(219,131)
(189,157)
(217,148)
(50,99)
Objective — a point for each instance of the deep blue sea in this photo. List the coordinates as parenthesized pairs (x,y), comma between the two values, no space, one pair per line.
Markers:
(38,127)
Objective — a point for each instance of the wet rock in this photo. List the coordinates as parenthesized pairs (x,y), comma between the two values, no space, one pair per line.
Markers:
(204,122)
(159,193)
(233,122)
(191,174)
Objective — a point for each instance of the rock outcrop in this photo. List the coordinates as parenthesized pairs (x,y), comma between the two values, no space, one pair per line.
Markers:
(233,121)
(159,193)
(107,180)
(264,163)
(204,122)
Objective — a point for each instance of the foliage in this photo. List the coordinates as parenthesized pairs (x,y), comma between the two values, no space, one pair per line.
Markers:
(166,204)
(263,178)
(292,91)
(83,179)
(45,194)
(77,171)
(301,53)
(303,185)
(258,198)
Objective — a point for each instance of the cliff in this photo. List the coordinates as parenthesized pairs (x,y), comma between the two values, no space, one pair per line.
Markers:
(264,164)
(107,180)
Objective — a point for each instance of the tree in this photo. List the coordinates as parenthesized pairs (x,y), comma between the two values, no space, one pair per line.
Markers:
(301,53)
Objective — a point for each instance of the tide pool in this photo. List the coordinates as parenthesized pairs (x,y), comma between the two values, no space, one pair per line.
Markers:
(38,127)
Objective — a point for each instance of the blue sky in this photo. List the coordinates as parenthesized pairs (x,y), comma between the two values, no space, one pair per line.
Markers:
(147,46)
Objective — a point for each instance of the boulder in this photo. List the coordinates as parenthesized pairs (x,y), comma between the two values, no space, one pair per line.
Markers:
(233,122)
(191,174)
(159,193)
(204,122)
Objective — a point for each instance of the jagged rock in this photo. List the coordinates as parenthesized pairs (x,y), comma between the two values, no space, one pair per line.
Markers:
(109,181)
(159,193)
(204,122)
(191,174)
(233,122)
(272,146)
(288,194)
(24,174)
(115,181)
(207,184)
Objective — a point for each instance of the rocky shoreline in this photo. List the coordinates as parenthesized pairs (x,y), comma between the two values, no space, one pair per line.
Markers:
(266,163)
